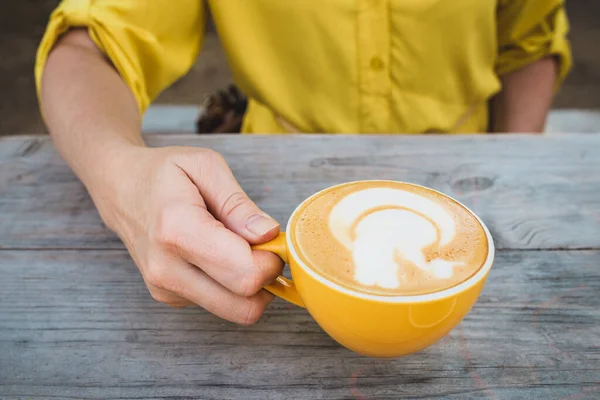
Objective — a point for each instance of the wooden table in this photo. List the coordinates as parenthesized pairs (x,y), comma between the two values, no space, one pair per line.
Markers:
(76,321)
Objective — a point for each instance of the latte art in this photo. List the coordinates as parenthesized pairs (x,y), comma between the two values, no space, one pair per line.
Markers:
(388,238)
(387,228)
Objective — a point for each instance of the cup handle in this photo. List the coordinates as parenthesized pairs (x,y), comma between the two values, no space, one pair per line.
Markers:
(281,287)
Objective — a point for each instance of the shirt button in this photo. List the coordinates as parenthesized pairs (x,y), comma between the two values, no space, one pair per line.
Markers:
(377,63)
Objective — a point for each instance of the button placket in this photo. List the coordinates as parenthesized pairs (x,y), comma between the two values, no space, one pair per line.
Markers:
(373,64)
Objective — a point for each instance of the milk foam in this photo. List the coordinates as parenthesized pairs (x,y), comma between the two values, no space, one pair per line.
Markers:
(385,228)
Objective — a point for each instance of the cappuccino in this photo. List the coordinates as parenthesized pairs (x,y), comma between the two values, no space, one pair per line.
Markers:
(388,238)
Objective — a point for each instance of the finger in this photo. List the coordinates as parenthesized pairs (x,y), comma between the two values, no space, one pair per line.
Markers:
(228,258)
(193,234)
(193,284)
(228,202)
(167,297)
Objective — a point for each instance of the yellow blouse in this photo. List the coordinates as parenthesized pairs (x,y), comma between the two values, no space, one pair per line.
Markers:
(332,66)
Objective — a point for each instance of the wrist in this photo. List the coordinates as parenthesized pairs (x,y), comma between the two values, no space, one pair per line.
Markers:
(108,173)
(107,161)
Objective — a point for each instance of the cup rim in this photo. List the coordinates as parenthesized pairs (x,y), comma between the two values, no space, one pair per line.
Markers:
(418,298)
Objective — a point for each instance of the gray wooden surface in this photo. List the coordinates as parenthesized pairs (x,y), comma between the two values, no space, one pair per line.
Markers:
(534,193)
(76,321)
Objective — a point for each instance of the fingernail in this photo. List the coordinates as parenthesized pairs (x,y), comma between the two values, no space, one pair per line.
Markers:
(260,224)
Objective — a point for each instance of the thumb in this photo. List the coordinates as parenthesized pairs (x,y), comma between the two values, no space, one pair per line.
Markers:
(227,201)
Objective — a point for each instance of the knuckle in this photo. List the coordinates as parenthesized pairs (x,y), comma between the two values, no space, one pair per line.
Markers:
(164,167)
(213,157)
(206,160)
(233,202)
(160,297)
(250,284)
(210,165)
(165,229)
(156,275)
(254,310)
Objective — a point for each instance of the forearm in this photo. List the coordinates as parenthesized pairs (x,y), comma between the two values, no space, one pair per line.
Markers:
(525,99)
(90,112)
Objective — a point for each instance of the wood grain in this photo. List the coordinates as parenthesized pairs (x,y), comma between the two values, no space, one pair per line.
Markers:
(80,325)
(534,192)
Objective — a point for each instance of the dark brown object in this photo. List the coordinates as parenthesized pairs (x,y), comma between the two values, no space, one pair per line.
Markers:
(224,112)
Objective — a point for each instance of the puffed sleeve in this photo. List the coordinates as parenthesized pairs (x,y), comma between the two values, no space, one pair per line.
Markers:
(150,43)
(529,30)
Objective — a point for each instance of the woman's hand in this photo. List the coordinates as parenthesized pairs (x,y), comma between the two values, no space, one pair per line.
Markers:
(180,212)
(187,224)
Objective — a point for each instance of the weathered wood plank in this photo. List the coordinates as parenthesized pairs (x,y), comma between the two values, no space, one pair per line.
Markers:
(80,324)
(535,192)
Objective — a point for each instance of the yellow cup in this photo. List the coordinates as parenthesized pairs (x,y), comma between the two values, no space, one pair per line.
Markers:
(375,325)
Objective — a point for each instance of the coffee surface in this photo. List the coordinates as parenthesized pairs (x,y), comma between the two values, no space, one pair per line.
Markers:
(389,238)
